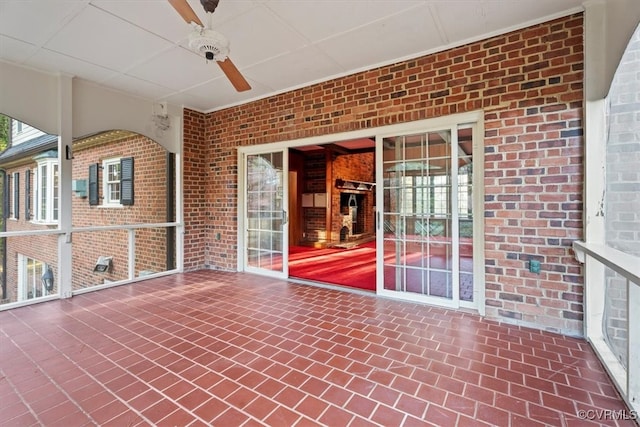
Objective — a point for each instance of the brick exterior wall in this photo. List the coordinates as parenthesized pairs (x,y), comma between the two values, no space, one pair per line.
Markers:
(528,82)
(40,248)
(149,206)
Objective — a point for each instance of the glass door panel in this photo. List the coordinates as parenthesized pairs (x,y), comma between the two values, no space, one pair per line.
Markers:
(427,231)
(266,217)
(465,211)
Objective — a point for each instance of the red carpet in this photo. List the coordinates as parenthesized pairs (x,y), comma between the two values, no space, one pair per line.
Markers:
(354,267)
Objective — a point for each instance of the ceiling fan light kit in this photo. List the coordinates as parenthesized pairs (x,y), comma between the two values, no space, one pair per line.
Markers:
(211,44)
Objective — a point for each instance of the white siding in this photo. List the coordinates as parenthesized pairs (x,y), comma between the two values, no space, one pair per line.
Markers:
(27,133)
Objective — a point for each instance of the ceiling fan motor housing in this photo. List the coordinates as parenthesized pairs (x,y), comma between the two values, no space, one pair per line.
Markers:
(209,43)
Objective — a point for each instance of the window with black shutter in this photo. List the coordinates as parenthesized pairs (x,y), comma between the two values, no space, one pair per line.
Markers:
(126,181)
(93,185)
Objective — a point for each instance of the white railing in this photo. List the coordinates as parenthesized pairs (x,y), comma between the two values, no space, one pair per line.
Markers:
(131,244)
(596,258)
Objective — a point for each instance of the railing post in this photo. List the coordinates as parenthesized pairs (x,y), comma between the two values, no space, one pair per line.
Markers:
(132,253)
(65,156)
(633,370)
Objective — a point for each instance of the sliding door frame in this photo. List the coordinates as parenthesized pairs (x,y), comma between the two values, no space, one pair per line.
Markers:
(243,221)
(476,120)
(475,117)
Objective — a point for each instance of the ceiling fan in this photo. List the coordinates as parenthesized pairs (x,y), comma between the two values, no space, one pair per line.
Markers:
(211,44)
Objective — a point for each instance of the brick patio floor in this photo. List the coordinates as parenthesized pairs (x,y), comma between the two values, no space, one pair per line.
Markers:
(233,349)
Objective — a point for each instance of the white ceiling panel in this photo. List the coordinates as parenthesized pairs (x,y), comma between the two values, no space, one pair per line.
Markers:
(468,16)
(36,21)
(46,59)
(176,68)
(103,39)
(220,90)
(157,17)
(134,45)
(140,88)
(294,69)
(258,35)
(325,19)
(380,42)
(523,14)
(225,12)
(183,99)
(15,50)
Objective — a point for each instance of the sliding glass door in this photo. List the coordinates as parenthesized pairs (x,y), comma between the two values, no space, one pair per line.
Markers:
(426,229)
(265,216)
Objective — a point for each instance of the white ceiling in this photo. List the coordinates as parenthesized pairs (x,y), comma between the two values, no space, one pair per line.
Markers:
(141,47)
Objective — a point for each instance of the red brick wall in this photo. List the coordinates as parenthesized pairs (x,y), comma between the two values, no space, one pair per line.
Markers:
(357,167)
(314,179)
(197,208)
(529,84)
(534,177)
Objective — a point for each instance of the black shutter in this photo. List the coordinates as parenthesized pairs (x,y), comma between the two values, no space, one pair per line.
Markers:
(126,181)
(16,195)
(27,194)
(93,185)
(6,207)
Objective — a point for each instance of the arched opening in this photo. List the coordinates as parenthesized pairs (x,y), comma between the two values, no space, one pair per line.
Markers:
(123,197)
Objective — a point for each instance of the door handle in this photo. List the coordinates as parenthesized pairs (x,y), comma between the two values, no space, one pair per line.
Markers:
(285,217)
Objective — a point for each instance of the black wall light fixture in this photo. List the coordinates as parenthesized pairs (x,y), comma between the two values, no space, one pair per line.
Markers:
(47,280)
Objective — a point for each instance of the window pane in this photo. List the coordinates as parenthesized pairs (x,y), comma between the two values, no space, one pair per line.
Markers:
(112,181)
(55,192)
(43,192)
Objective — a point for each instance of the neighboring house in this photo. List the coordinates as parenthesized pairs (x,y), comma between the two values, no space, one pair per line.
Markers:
(118,178)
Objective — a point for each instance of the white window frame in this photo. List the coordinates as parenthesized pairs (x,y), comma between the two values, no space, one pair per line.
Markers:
(107,201)
(35,279)
(12,208)
(51,197)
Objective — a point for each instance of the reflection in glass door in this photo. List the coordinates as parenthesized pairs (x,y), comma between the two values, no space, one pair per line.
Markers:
(265,215)
(427,192)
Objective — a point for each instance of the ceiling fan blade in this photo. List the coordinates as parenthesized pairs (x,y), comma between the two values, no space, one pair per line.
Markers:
(187,13)
(234,76)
